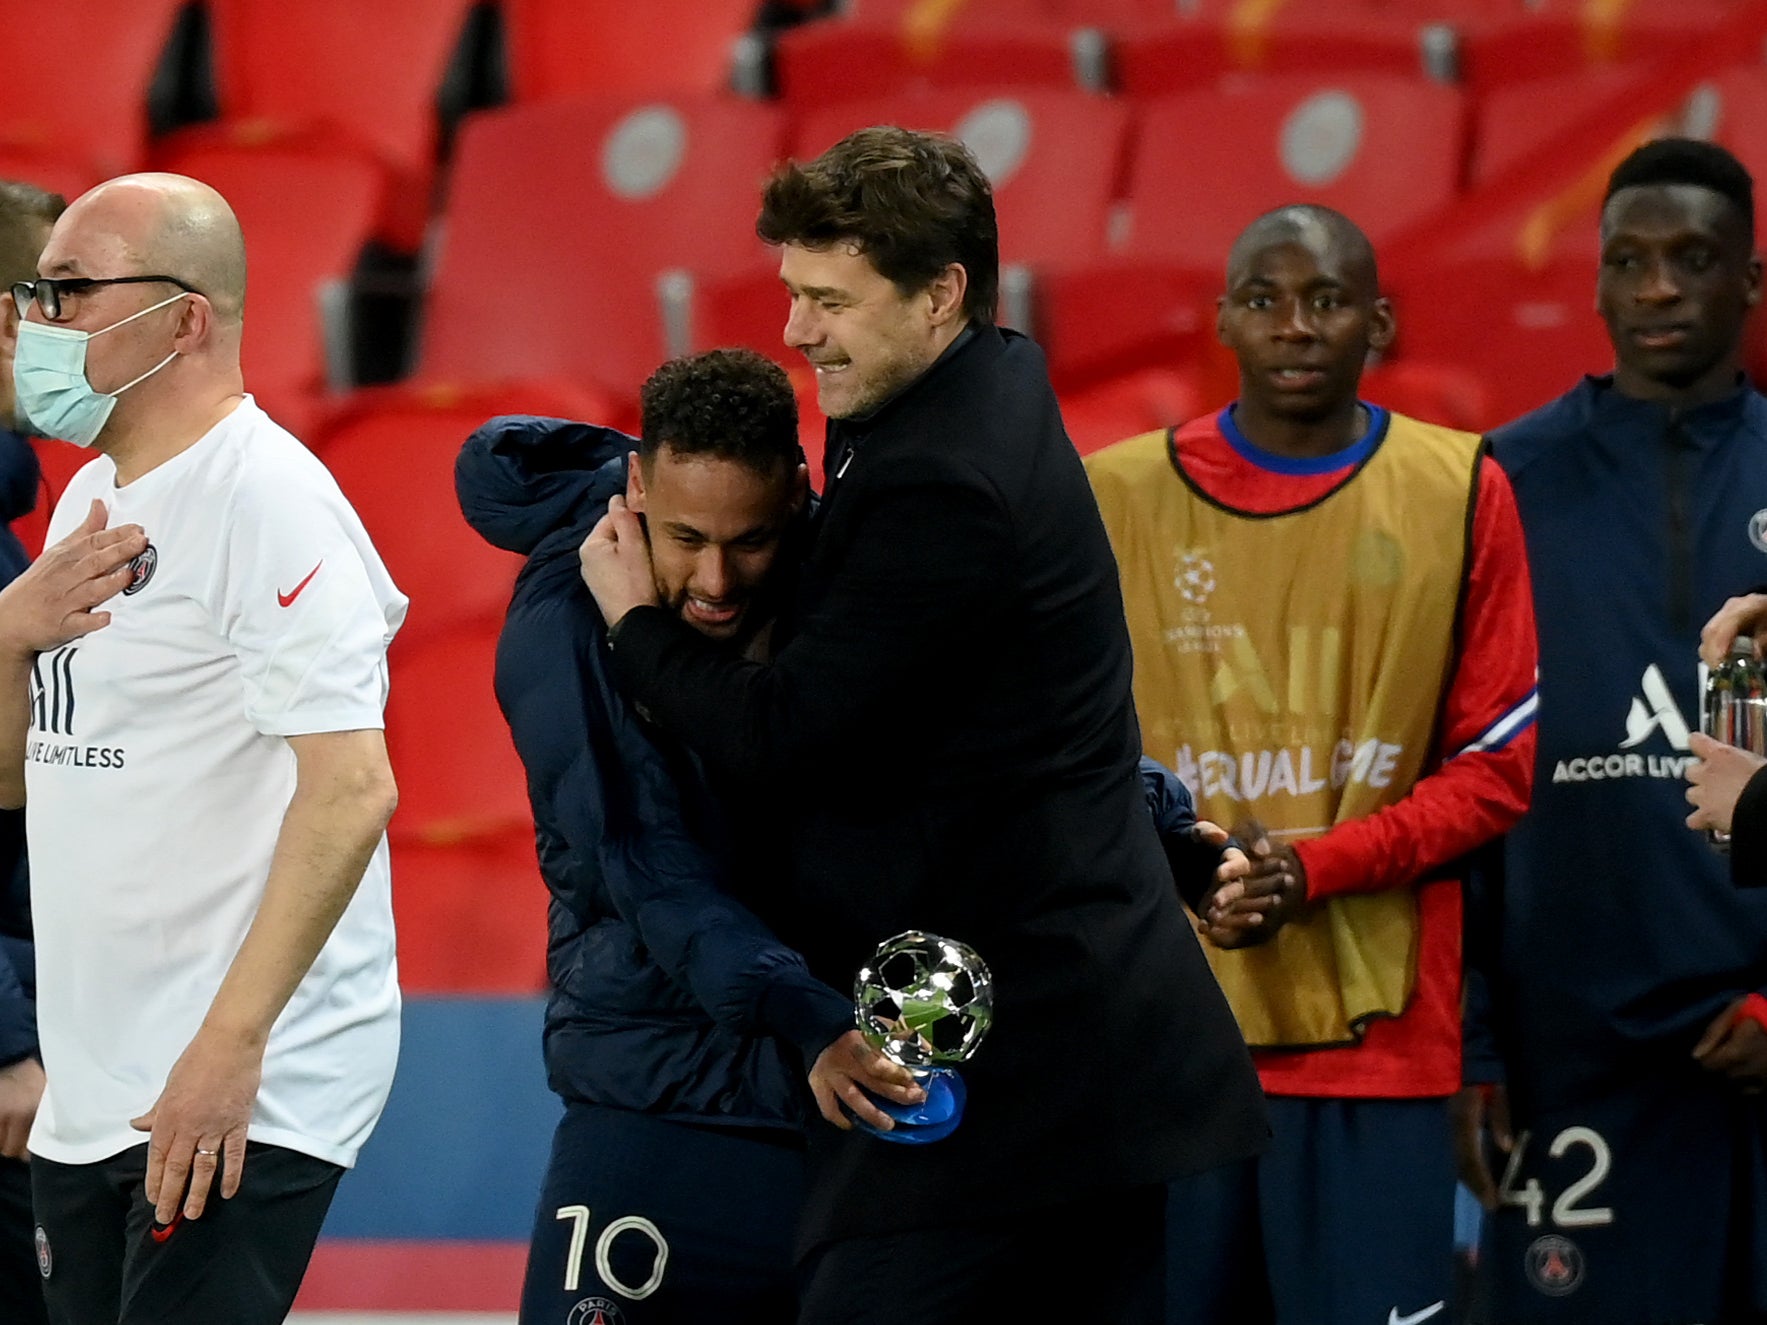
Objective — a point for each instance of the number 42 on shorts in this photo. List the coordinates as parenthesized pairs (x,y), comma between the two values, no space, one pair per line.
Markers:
(1568,1210)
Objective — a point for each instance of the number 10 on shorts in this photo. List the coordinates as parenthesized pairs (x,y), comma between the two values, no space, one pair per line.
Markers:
(1568,1210)
(579,1216)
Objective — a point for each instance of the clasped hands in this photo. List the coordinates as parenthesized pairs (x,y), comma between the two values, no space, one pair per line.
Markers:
(1257,889)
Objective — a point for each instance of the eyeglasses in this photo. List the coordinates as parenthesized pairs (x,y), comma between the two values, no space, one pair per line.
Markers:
(47,292)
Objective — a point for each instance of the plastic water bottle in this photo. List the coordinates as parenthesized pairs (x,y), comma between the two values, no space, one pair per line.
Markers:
(1735,708)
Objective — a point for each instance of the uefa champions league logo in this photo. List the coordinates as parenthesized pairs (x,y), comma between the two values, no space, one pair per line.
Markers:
(1195,579)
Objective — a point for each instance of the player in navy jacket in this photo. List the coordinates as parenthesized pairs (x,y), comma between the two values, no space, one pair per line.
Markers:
(678,1026)
(1634,1190)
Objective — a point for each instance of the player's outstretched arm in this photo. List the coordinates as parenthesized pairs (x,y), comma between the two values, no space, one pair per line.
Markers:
(54,601)
(344,795)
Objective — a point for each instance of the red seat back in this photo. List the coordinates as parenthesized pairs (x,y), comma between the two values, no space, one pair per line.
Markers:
(1533,334)
(306,216)
(1569,36)
(820,63)
(562,217)
(393,455)
(363,73)
(560,48)
(76,92)
(1036,145)
(471,917)
(459,778)
(1385,150)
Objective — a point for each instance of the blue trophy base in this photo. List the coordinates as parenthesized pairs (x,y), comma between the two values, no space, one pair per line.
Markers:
(933,1119)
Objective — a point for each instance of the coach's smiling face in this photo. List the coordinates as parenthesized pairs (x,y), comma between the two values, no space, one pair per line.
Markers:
(1678,277)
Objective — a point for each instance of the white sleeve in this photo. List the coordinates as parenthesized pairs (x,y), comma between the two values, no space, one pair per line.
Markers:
(298,604)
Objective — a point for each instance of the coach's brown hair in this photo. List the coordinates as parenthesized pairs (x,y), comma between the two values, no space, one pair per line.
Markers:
(912,202)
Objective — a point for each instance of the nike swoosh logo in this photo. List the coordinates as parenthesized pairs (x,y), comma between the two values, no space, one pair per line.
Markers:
(161,1232)
(1394,1318)
(285,599)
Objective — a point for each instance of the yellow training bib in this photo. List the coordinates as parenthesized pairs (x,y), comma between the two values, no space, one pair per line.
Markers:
(1290,668)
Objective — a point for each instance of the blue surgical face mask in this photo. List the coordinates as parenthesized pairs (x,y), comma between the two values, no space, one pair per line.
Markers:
(49,375)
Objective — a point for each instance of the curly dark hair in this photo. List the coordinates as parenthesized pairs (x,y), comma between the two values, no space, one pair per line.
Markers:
(731,404)
(1688,161)
(912,202)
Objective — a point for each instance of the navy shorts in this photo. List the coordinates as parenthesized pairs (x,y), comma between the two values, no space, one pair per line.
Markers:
(1348,1219)
(643,1221)
(103,1260)
(1647,1207)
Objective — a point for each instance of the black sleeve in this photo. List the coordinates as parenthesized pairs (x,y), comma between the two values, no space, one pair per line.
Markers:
(1748,834)
(930,553)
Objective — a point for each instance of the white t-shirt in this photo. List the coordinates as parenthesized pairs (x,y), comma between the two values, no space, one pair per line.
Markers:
(157,777)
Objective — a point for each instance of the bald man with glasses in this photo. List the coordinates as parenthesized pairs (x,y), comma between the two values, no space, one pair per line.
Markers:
(192,682)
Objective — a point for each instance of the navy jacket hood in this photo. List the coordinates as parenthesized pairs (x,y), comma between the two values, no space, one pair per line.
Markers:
(521,477)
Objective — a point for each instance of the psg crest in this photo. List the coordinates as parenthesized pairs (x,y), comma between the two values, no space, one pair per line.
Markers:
(141,569)
(1555,1265)
(595,1311)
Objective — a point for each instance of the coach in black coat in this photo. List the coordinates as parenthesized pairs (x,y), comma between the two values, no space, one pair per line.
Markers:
(950,721)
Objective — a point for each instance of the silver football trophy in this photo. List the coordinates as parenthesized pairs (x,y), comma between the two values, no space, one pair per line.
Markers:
(924,1002)
(1734,708)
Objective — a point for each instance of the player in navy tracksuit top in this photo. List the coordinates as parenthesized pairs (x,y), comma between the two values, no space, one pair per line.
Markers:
(1636,1189)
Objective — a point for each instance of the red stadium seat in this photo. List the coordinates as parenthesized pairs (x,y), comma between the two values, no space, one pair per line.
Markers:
(1153,60)
(344,72)
(1385,150)
(1099,321)
(564,217)
(306,216)
(392,452)
(1129,406)
(1558,207)
(1512,121)
(1570,36)
(471,917)
(1447,394)
(1526,334)
(840,59)
(1036,146)
(75,100)
(614,47)
(459,778)
(942,15)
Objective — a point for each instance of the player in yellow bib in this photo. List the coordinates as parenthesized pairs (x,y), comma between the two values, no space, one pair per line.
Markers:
(1334,647)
